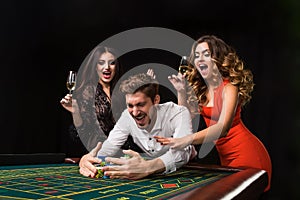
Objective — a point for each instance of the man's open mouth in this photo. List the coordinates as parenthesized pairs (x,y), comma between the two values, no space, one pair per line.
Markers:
(140,117)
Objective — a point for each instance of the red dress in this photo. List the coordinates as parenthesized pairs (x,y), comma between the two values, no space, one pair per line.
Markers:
(239,148)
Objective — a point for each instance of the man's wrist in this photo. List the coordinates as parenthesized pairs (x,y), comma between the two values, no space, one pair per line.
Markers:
(155,166)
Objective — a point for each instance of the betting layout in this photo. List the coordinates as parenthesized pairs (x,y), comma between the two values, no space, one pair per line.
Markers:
(65,182)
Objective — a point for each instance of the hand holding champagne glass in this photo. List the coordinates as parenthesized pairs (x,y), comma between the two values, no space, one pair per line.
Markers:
(71,81)
(66,102)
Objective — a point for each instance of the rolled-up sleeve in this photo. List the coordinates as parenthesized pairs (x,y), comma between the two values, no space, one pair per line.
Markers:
(181,123)
(174,159)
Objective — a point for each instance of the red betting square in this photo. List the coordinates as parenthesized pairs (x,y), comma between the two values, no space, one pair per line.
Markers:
(169,185)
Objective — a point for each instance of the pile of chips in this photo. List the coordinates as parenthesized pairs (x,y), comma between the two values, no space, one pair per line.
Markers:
(100,166)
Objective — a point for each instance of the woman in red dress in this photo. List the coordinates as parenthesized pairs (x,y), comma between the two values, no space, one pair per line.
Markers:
(219,87)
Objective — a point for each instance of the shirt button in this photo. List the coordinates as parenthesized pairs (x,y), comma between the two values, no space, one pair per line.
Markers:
(152,150)
(150,138)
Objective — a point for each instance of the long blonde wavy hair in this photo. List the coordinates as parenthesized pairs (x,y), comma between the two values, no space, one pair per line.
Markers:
(229,65)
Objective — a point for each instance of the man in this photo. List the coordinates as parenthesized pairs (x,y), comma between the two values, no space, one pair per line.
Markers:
(144,119)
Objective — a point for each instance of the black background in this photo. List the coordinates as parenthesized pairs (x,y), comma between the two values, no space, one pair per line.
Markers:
(42,40)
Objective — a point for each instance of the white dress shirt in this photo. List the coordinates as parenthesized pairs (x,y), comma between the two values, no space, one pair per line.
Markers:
(172,120)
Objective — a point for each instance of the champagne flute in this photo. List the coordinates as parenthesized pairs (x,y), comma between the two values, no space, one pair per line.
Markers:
(184,65)
(71,81)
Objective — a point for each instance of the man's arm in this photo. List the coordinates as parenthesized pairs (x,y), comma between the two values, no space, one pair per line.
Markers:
(136,167)
(117,137)
(181,125)
(109,148)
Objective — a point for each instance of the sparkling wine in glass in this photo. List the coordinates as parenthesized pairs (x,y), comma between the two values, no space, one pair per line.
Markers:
(71,81)
(184,65)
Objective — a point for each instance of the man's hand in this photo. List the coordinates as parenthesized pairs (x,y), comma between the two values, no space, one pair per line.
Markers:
(176,143)
(86,162)
(133,168)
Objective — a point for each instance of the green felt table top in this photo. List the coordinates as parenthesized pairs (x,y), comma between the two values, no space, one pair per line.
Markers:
(63,181)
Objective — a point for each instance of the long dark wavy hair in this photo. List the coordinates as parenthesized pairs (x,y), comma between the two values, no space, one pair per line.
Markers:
(229,66)
(88,74)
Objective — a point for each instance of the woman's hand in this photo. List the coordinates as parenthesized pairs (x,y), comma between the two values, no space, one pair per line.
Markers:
(176,143)
(71,105)
(151,73)
(66,102)
(178,81)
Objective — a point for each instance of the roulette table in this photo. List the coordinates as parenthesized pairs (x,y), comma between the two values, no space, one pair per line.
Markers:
(194,181)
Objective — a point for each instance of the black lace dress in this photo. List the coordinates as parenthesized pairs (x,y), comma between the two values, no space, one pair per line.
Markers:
(98,119)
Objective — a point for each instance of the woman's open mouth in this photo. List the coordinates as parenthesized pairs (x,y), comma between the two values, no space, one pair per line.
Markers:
(203,69)
(106,74)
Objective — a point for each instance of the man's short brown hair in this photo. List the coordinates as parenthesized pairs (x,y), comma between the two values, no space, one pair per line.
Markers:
(140,83)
